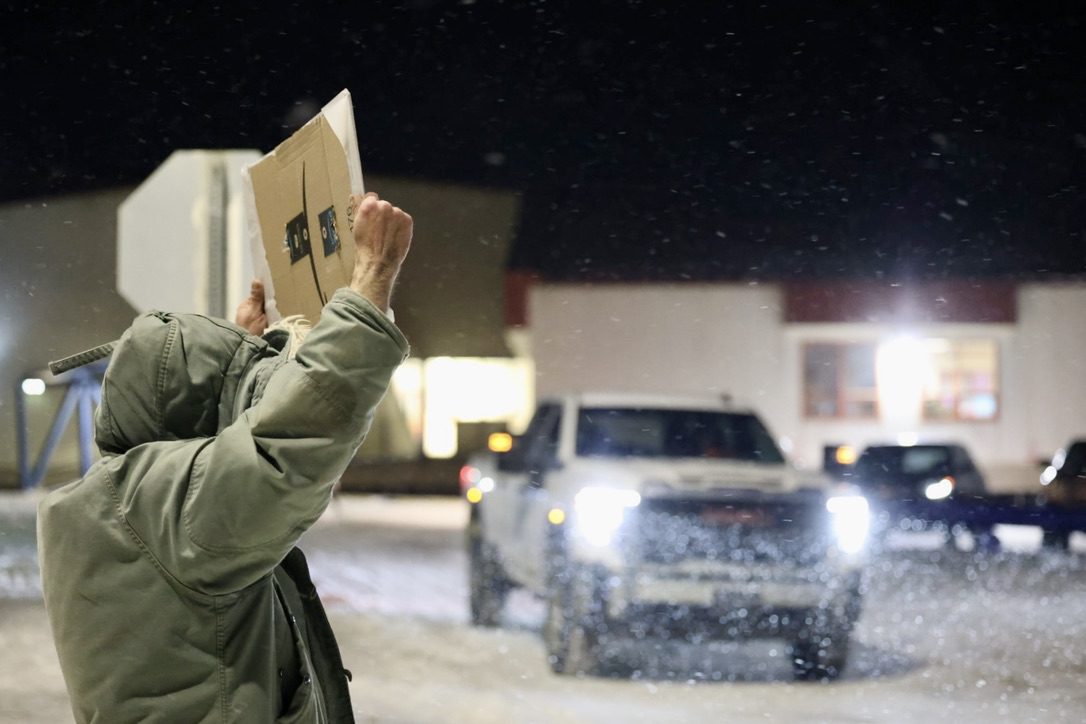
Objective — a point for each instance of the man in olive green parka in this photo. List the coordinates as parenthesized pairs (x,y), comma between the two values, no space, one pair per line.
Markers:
(171,577)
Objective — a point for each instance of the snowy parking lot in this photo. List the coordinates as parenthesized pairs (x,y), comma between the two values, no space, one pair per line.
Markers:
(945,635)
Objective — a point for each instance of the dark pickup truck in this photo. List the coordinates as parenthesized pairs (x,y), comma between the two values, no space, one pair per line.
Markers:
(938,484)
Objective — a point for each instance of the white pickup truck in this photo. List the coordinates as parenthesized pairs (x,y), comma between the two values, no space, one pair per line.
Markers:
(652,516)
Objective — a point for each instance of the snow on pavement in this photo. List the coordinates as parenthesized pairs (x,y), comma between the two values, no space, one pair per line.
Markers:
(945,636)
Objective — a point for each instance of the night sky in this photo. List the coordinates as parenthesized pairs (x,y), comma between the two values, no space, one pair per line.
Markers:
(649,140)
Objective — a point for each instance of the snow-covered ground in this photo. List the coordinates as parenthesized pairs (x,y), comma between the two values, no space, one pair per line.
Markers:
(945,636)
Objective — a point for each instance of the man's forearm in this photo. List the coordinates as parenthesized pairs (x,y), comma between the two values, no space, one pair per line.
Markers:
(374,282)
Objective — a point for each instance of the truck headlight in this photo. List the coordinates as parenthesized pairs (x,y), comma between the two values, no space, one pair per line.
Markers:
(851,519)
(940,489)
(600,511)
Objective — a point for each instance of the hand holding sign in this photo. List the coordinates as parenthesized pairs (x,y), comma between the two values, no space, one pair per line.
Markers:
(382,236)
(251,313)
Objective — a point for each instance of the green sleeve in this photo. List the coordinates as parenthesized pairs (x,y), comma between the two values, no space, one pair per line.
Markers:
(243,498)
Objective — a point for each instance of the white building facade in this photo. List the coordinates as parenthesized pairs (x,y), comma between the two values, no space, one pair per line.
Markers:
(997,366)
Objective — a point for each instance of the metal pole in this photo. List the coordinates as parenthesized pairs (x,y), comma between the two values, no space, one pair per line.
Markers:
(60,422)
(217,201)
(87,389)
(22,431)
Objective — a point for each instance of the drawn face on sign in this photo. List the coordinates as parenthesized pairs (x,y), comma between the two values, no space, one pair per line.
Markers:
(329,235)
(297,237)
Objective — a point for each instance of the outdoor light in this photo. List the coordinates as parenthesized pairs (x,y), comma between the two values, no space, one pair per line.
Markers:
(908,439)
(845,455)
(486,484)
(556,516)
(500,442)
(940,489)
(33,386)
(474,495)
(851,521)
(469,475)
(1052,470)
(600,511)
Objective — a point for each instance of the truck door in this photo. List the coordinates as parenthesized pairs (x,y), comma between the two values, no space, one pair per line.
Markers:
(528,508)
(503,507)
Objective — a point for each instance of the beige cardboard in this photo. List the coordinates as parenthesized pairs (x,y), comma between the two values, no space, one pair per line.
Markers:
(300,194)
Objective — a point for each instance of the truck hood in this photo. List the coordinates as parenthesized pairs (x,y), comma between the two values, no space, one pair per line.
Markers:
(669,477)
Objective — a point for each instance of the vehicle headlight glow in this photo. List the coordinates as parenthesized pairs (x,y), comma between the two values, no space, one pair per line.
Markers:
(600,512)
(940,489)
(851,520)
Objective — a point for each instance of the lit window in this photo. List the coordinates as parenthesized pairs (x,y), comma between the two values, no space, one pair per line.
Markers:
(938,379)
(459,390)
(963,380)
(839,380)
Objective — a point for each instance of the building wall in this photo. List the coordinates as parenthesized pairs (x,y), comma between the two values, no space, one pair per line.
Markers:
(57,286)
(686,338)
(1051,353)
(731,338)
(449,300)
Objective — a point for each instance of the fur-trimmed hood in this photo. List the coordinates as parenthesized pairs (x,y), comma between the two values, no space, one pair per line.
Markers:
(178,377)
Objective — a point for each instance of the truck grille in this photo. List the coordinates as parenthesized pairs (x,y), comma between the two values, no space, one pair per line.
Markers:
(665,530)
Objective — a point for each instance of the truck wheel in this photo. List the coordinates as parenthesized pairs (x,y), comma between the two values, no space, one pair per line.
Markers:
(574,617)
(820,652)
(1059,539)
(487,580)
(820,656)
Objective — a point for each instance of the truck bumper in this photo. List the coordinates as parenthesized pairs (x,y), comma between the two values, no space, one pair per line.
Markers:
(745,600)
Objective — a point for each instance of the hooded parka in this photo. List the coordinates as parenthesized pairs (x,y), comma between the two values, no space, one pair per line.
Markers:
(170,573)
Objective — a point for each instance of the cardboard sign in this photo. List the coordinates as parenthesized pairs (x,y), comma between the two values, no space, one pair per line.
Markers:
(297,204)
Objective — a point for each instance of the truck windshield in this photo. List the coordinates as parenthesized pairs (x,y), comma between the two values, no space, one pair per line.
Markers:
(665,433)
(902,464)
